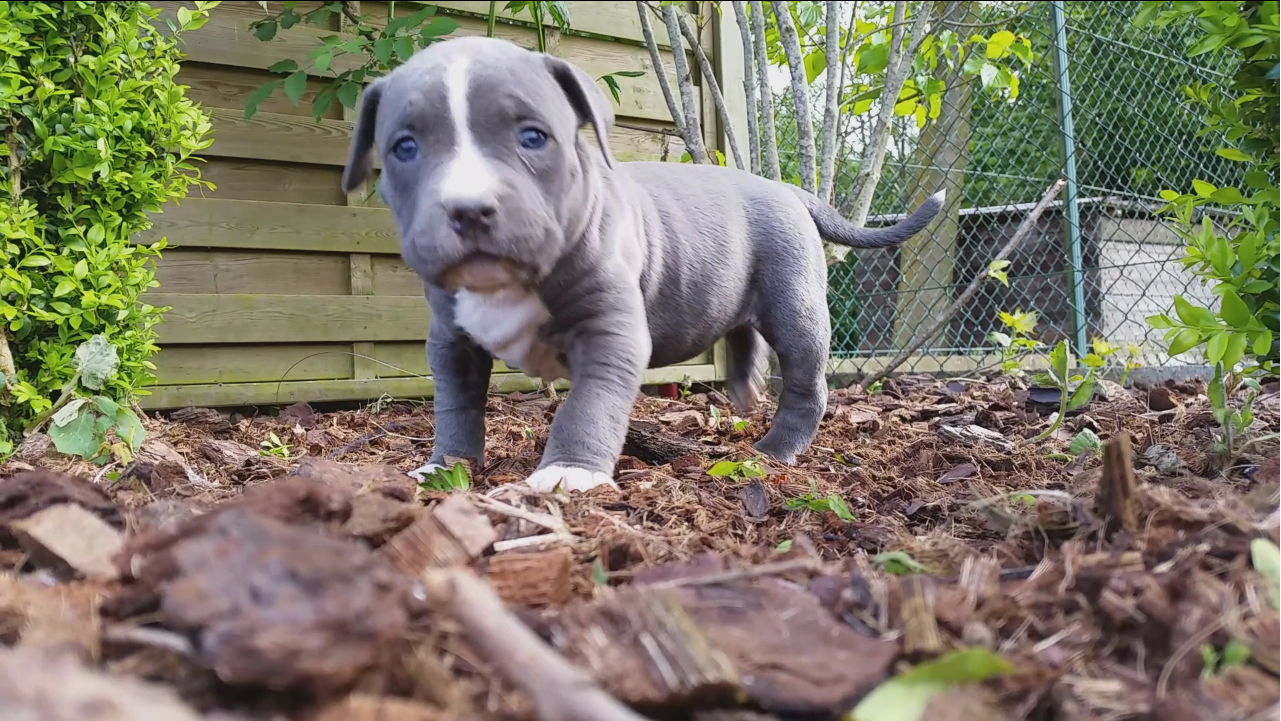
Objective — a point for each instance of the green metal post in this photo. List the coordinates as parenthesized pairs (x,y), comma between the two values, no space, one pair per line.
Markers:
(1069,170)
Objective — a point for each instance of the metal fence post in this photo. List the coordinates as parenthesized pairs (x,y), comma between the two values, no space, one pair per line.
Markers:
(1069,171)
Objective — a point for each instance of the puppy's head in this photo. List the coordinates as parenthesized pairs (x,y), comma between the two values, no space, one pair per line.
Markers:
(481,161)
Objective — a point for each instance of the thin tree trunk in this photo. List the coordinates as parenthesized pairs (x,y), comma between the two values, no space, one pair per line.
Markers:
(749,88)
(709,78)
(800,91)
(832,50)
(660,71)
(768,138)
(899,63)
(684,81)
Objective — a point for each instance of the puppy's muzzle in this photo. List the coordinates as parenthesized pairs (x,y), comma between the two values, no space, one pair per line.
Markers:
(482,272)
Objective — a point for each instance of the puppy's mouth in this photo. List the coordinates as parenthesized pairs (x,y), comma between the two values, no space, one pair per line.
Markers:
(482,272)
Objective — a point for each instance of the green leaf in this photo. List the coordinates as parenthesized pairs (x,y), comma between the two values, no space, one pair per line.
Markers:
(77,437)
(1235,349)
(989,74)
(295,86)
(1216,347)
(1263,343)
(68,412)
(906,696)
(1082,395)
(284,66)
(129,428)
(837,505)
(1227,196)
(265,30)
(873,60)
(898,563)
(1232,154)
(724,469)
(1265,556)
(1234,311)
(1203,188)
(106,405)
(259,95)
(1061,360)
(96,362)
(1086,440)
(1160,322)
(1185,340)
(1022,51)
(815,63)
(1192,315)
(998,44)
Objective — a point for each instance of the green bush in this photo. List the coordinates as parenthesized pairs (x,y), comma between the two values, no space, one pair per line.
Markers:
(1238,258)
(97,133)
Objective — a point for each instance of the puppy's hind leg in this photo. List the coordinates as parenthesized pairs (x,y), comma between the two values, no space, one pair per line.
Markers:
(746,354)
(797,327)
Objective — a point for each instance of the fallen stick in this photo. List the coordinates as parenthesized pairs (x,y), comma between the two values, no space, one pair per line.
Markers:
(560,691)
(1019,234)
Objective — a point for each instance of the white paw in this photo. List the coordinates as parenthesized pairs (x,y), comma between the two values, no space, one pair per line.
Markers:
(567,479)
(421,473)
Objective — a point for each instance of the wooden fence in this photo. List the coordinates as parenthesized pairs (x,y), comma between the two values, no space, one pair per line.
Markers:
(282,287)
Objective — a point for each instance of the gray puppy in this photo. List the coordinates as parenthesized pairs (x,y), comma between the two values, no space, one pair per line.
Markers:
(542,251)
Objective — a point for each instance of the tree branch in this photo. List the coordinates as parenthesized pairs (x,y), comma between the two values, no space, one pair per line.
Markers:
(693,134)
(749,87)
(768,138)
(832,51)
(1024,229)
(857,205)
(709,77)
(800,92)
(659,70)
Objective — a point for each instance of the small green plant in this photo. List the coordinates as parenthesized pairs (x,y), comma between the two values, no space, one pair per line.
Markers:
(1075,390)
(897,563)
(78,424)
(447,480)
(1216,662)
(750,468)
(906,696)
(273,446)
(611,82)
(96,135)
(714,416)
(1018,342)
(783,546)
(813,502)
(1265,556)
(600,577)
(739,424)
(1233,422)
(1085,440)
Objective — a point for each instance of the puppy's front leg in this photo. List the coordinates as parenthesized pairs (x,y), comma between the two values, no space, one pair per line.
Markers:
(606,359)
(460,370)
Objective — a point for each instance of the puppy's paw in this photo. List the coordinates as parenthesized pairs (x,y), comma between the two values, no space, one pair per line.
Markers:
(568,479)
(421,473)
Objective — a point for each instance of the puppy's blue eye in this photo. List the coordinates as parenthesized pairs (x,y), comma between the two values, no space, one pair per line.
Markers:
(532,139)
(405,149)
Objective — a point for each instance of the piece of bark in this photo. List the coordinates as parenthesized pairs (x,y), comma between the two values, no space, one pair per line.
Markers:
(715,645)
(376,518)
(1115,498)
(651,444)
(61,618)
(44,686)
(355,479)
(197,415)
(29,493)
(536,578)
(366,707)
(921,635)
(452,534)
(69,538)
(559,690)
(161,468)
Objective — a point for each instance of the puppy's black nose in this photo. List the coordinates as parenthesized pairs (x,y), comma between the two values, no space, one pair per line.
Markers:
(471,216)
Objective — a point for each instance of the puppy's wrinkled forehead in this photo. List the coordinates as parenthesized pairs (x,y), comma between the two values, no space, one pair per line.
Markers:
(476,84)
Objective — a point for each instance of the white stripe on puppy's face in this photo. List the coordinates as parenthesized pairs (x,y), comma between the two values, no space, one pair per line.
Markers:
(468,176)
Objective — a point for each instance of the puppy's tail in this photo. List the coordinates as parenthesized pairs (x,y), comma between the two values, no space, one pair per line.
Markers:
(836,229)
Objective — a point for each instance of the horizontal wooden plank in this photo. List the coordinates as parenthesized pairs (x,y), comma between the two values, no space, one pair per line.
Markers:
(238,179)
(393,277)
(268,394)
(224,86)
(185,365)
(232,271)
(252,224)
(271,318)
(397,360)
(605,19)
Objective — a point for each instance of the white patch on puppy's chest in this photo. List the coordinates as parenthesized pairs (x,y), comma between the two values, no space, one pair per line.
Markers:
(507,323)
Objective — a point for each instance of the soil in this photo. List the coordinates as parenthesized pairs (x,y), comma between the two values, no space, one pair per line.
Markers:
(217,577)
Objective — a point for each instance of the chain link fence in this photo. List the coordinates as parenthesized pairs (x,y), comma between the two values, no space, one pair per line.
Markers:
(1102,105)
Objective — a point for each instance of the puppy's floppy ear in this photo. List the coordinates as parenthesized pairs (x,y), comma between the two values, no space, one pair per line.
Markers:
(360,159)
(587,100)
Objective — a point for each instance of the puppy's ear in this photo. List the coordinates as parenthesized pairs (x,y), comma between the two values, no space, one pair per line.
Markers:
(587,100)
(360,159)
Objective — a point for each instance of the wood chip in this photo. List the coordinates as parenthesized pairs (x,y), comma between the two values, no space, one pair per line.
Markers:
(363,707)
(1115,497)
(68,537)
(452,534)
(539,578)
